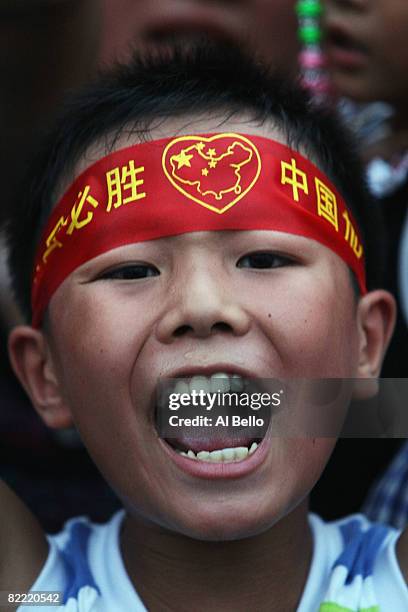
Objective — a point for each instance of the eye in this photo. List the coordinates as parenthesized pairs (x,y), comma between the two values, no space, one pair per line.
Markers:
(130,272)
(264,261)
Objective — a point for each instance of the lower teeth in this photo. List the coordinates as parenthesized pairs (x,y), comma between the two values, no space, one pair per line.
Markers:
(225,455)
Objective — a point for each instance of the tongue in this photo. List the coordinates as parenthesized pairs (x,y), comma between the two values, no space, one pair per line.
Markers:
(210,437)
(212,430)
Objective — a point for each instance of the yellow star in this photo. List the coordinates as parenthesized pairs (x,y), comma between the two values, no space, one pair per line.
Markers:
(204,171)
(212,163)
(200,146)
(182,159)
(212,152)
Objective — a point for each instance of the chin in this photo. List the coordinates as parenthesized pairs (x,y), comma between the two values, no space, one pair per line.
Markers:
(354,87)
(225,525)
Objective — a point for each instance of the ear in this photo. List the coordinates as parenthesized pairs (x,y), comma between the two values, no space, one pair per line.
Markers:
(33,365)
(376,315)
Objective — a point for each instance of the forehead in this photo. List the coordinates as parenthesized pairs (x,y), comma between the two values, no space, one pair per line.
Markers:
(172,128)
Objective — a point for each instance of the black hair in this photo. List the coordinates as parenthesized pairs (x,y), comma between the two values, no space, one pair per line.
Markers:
(211,78)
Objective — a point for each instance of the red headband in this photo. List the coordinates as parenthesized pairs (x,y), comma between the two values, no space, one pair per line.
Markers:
(187,184)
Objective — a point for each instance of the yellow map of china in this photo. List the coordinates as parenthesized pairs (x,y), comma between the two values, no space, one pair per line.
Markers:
(210,172)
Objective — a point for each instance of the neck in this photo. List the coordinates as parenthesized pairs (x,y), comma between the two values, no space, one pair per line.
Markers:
(240,575)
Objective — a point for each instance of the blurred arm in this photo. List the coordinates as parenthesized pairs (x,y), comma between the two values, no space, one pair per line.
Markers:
(23,546)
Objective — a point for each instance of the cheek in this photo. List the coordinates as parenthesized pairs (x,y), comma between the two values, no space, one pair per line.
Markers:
(96,347)
(386,36)
(323,337)
(95,370)
(314,336)
(389,56)
(307,459)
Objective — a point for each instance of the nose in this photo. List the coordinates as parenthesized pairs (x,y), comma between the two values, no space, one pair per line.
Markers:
(201,305)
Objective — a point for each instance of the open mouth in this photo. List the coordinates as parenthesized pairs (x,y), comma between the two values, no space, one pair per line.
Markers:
(210,419)
(343,50)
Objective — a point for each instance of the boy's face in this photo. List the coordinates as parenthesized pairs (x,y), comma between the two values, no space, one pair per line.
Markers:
(198,304)
(266,26)
(366,48)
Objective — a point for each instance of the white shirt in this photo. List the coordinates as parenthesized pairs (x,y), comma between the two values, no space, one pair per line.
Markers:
(354,565)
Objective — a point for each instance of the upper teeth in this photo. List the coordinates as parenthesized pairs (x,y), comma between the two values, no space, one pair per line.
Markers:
(220,382)
(223,455)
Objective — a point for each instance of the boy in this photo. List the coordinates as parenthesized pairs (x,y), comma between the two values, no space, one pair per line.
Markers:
(190,242)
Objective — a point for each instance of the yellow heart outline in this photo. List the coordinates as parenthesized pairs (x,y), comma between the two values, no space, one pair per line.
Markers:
(208,139)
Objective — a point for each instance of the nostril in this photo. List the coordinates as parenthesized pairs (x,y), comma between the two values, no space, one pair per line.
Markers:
(183,329)
(217,327)
(221,326)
